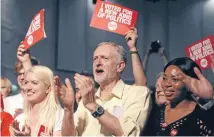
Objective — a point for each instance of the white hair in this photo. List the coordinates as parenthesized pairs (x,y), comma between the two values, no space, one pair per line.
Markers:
(160,75)
(122,55)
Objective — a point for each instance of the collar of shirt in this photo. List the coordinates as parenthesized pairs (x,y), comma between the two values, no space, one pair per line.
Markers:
(117,90)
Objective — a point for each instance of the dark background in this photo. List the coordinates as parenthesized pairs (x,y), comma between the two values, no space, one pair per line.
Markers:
(70,41)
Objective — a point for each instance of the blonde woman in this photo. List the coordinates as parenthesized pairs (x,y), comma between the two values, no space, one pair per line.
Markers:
(42,111)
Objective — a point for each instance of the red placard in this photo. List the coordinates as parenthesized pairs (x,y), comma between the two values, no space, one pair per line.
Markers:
(5,123)
(200,52)
(36,31)
(113,17)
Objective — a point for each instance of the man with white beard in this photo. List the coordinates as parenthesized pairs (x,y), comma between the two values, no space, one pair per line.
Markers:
(115,109)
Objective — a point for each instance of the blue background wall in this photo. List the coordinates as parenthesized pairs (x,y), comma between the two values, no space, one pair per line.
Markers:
(70,41)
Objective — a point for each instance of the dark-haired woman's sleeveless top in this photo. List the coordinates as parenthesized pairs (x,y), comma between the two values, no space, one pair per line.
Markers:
(197,123)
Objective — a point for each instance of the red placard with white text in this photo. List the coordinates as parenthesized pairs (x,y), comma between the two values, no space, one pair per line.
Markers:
(200,51)
(113,17)
(36,31)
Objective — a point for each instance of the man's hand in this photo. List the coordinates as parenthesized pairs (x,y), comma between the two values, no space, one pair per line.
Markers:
(201,86)
(57,85)
(131,38)
(86,89)
(15,131)
(65,92)
(22,54)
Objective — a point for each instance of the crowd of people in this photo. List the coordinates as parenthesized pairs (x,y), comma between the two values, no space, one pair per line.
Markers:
(181,105)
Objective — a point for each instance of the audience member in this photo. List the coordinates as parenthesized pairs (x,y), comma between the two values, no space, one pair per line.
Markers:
(6,87)
(160,98)
(14,104)
(6,120)
(139,76)
(182,116)
(159,102)
(42,112)
(116,109)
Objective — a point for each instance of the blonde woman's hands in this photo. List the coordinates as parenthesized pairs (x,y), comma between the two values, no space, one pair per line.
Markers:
(15,131)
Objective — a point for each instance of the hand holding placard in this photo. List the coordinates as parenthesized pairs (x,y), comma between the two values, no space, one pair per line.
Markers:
(131,38)
(22,54)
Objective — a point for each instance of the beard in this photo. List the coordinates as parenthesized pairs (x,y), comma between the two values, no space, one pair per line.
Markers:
(104,78)
(100,79)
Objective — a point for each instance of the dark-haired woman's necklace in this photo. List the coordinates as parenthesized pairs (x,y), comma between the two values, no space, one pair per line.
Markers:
(164,124)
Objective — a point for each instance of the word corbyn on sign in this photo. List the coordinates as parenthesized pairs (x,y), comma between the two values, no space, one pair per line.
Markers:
(36,31)
(112,17)
(200,52)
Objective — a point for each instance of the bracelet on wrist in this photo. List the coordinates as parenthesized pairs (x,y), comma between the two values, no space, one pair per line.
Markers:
(133,52)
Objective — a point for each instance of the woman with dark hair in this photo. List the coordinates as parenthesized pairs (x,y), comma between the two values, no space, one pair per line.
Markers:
(182,116)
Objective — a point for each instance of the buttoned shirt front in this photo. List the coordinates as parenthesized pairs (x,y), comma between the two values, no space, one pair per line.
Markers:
(130,104)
